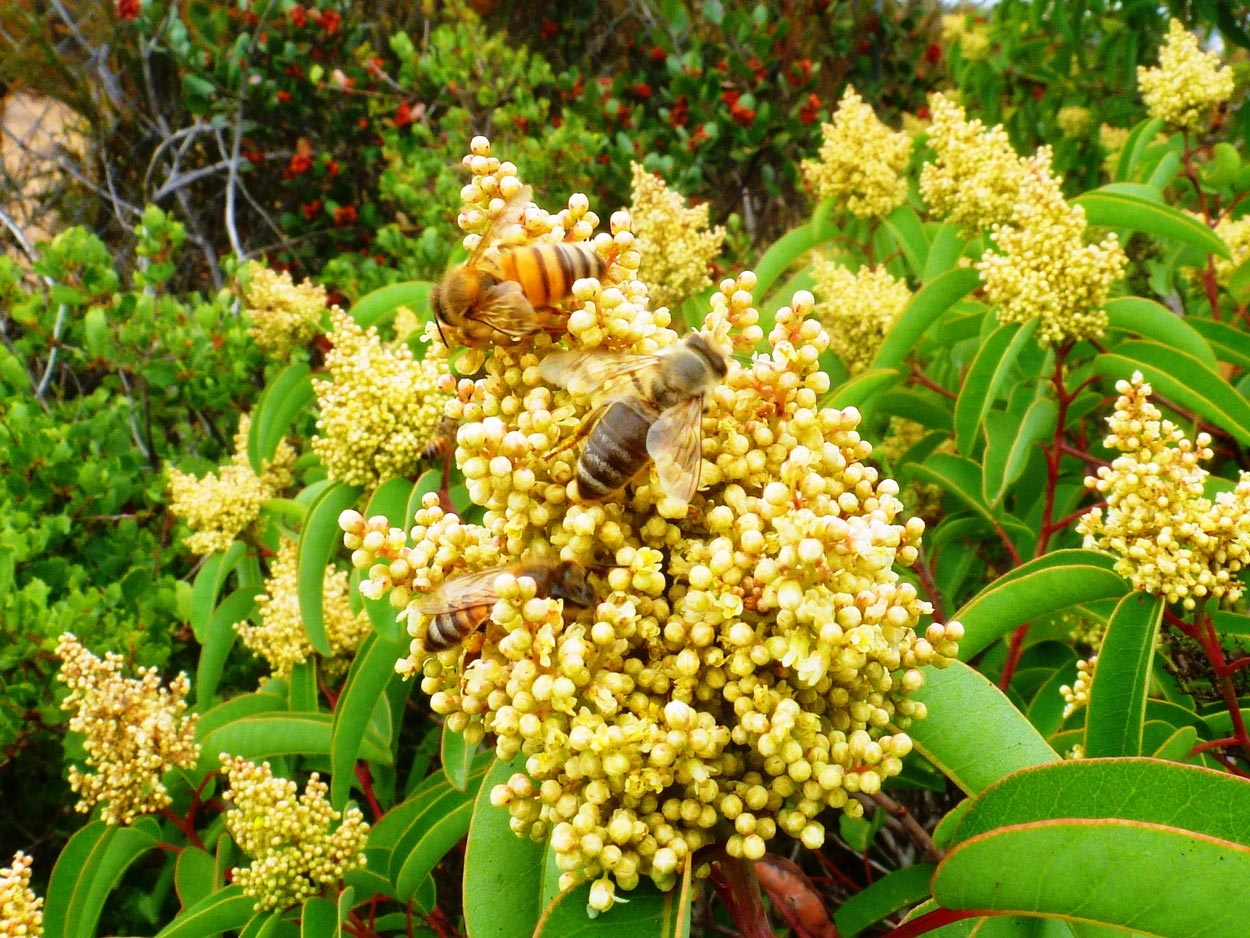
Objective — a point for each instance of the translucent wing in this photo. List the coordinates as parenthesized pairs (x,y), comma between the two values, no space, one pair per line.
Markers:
(506,310)
(513,212)
(592,372)
(462,592)
(675,442)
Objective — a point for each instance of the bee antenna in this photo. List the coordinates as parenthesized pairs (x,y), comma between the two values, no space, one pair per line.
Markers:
(441,335)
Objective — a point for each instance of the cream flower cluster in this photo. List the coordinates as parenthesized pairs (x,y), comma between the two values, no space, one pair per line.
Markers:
(281,638)
(676,244)
(1043,269)
(860,162)
(219,507)
(285,316)
(1187,83)
(297,852)
(1076,696)
(381,406)
(857,309)
(134,731)
(751,657)
(1075,122)
(975,179)
(21,911)
(1236,234)
(1170,539)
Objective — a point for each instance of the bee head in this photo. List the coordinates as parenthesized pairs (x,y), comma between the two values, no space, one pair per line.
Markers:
(711,356)
(572,586)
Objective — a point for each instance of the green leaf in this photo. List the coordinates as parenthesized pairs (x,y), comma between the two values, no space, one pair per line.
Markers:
(208,585)
(964,711)
(429,481)
(1010,444)
(985,378)
(371,671)
(236,708)
(1228,342)
(391,501)
(318,542)
(945,249)
(1037,588)
(959,477)
(1183,379)
(929,303)
(1163,881)
(437,826)
(503,873)
(457,758)
(1141,137)
(892,893)
(89,868)
(319,918)
(195,876)
(1239,283)
(1155,321)
(906,229)
(284,734)
(370,308)
(275,409)
(225,910)
(1120,209)
(790,247)
(863,387)
(219,638)
(1117,702)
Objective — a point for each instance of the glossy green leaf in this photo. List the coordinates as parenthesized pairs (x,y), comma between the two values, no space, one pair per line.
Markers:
(225,910)
(209,583)
(391,500)
(457,757)
(1228,342)
(236,708)
(1151,320)
(370,308)
(503,873)
(1052,582)
(89,868)
(1239,283)
(1120,209)
(284,734)
(430,481)
(219,637)
(792,246)
(319,918)
(371,671)
(1117,702)
(959,477)
(965,710)
(320,540)
(894,892)
(283,398)
(932,300)
(195,876)
(864,386)
(302,694)
(945,249)
(985,378)
(1183,379)
(436,827)
(648,913)
(1140,138)
(1163,881)
(1011,442)
(908,232)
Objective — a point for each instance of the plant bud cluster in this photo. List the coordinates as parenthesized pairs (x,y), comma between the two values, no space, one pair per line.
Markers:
(1187,84)
(21,911)
(285,316)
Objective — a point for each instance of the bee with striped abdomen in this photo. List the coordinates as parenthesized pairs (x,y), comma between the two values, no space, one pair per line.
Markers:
(506,295)
(650,406)
(443,443)
(457,608)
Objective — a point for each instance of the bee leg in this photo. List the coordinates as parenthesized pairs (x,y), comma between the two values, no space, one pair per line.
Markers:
(581,433)
(552,321)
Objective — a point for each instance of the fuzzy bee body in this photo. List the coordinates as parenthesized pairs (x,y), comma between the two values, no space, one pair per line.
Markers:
(443,442)
(510,296)
(458,608)
(651,408)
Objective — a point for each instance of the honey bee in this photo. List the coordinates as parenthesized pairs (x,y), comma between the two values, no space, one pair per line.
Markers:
(509,297)
(458,608)
(651,406)
(443,443)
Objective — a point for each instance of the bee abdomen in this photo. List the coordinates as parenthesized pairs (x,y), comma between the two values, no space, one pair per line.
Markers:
(616,450)
(448,629)
(547,272)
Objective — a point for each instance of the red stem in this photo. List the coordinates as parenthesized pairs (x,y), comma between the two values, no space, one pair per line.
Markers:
(932,921)
(366,785)
(743,897)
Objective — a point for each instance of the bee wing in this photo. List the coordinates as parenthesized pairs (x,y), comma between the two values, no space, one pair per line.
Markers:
(506,310)
(675,442)
(462,592)
(513,211)
(592,372)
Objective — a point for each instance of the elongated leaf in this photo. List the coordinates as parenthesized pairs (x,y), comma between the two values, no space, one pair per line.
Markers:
(1052,582)
(288,394)
(945,249)
(935,298)
(965,710)
(371,671)
(438,826)
(503,873)
(195,876)
(985,378)
(790,247)
(391,500)
(370,308)
(1184,379)
(898,890)
(863,387)
(1164,881)
(457,756)
(245,705)
(88,869)
(285,734)
(1010,444)
(219,638)
(225,910)
(1228,342)
(208,585)
(319,541)
(1117,702)
(648,914)
(319,919)
(905,228)
(1119,209)
(1152,320)
(959,477)
(1141,137)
